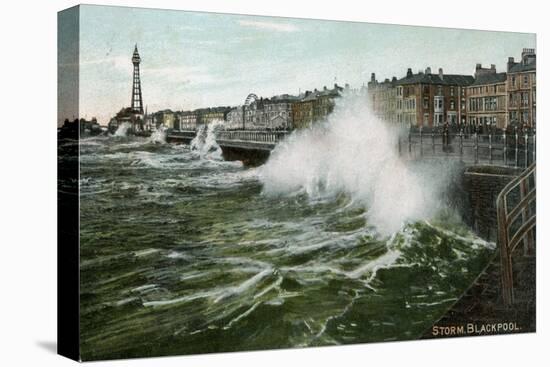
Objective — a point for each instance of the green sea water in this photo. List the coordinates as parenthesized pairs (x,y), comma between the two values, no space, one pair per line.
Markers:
(183,253)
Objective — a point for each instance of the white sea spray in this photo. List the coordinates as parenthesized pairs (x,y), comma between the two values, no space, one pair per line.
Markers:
(356,153)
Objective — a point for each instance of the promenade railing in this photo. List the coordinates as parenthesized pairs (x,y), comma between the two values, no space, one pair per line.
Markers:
(257,136)
(517,149)
(516,217)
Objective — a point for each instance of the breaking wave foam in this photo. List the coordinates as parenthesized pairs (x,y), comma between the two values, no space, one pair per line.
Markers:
(205,143)
(122,130)
(356,153)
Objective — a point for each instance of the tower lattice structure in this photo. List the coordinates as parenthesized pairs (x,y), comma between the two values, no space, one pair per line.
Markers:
(137,101)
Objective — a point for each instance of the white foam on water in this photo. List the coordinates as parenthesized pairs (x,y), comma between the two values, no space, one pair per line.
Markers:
(243,315)
(183,299)
(146,252)
(383,262)
(475,241)
(158,136)
(356,153)
(247,284)
(204,143)
(122,130)
(143,288)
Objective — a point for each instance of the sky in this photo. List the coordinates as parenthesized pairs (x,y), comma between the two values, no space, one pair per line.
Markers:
(191,60)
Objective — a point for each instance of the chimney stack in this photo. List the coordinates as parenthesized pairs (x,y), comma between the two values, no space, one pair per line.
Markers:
(428,70)
(510,63)
(409,72)
(441,73)
(478,66)
(372,77)
(528,56)
(527,52)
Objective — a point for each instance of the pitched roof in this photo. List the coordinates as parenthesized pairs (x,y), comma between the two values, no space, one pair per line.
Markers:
(489,79)
(448,79)
(519,67)
(284,98)
(333,92)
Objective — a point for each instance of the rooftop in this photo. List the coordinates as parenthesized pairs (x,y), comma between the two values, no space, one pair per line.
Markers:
(445,79)
(489,79)
(521,67)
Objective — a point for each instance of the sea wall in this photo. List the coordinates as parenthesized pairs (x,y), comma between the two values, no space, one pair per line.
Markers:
(481,185)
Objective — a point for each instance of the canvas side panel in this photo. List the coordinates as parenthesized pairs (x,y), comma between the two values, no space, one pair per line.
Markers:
(67,181)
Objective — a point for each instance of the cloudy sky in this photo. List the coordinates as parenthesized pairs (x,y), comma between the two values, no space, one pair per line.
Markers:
(192,60)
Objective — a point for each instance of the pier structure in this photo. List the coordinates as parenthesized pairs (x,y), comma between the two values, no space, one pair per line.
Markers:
(252,147)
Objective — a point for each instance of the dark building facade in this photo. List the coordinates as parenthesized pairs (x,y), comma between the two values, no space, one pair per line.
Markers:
(382,98)
(487,99)
(430,100)
(314,106)
(522,89)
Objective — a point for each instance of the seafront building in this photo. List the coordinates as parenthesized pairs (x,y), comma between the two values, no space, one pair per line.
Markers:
(281,112)
(522,87)
(383,98)
(315,106)
(488,99)
(422,99)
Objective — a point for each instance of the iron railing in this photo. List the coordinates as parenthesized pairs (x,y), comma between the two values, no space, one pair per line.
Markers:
(508,149)
(516,217)
(260,136)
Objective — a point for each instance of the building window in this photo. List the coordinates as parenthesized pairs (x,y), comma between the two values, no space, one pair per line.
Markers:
(451,118)
(525,80)
(452,104)
(463,91)
(524,99)
(452,91)
(438,119)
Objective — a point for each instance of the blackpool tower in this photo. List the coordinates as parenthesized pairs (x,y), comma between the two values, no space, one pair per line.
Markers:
(137,102)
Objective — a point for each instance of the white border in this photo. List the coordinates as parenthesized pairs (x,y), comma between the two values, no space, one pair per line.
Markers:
(28,179)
